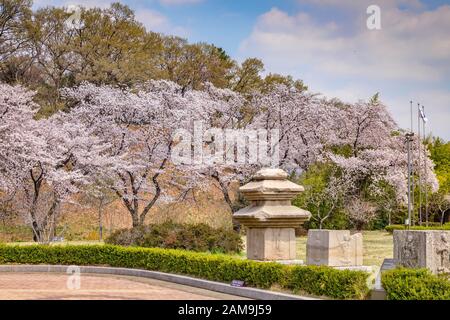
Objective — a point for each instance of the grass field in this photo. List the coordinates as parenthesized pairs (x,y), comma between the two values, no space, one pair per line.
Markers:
(378,245)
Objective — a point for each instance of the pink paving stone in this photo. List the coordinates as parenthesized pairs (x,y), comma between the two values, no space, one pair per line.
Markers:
(32,286)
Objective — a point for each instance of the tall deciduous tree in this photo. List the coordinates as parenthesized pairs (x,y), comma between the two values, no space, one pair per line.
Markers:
(17,110)
(12,15)
(140,127)
(44,161)
(307,124)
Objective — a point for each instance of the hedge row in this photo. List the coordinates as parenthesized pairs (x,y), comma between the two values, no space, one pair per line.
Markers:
(319,281)
(415,284)
(391,228)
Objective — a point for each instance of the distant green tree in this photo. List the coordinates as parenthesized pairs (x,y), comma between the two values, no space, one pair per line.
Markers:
(439,202)
(274,79)
(440,154)
(247,76)
(323,197)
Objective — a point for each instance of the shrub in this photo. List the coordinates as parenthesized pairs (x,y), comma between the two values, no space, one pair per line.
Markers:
(322,281)
(391,228)
(325,281)
(415,284)
(126,237)
(171,235)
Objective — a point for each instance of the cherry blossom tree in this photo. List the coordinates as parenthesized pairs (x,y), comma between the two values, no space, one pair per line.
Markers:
(53,179)
(307,124)
(43,161)
(223,142)
(372,153)
(294,123)
(16,115)
(360,212)
(139,125)
(125,140)
(17,110)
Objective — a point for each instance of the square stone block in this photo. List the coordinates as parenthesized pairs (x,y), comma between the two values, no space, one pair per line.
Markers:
(334,248)
(271,244)
(423,249)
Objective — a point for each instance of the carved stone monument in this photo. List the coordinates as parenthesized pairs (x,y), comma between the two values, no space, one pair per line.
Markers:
(334,248)
(271,219)
(423,249)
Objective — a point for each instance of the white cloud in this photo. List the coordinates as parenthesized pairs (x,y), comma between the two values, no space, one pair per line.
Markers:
(352,4)
(437,104)
(157,22)
(179,2)
(342,57)
(409,46)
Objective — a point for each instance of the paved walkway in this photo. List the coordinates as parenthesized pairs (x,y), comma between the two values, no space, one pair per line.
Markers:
(32,286)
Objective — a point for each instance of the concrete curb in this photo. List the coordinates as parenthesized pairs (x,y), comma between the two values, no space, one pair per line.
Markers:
(251,293)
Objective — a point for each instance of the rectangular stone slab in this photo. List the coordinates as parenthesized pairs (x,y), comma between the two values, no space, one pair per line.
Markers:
(334,248)
(423,249)
(271,244)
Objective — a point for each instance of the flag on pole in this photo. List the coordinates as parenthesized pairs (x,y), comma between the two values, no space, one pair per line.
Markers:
(422,114)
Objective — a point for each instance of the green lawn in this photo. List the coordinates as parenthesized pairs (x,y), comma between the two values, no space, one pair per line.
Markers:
(378,245)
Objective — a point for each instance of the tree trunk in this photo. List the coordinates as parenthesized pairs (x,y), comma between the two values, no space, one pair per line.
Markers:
(37,182)
(37,234)
(236,225)
(136,220)
(359,226)
(100,220)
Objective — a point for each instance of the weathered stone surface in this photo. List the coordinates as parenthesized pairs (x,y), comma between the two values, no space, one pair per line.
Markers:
(271,219)
(265,215)
(378,292)
(270,174)
(268,244)
(335,248)
(423,249)
(271,190)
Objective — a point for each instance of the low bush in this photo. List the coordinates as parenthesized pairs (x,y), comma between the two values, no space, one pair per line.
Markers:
(391,228)
(320,281)
(325,281)
(415,284)
(169,235)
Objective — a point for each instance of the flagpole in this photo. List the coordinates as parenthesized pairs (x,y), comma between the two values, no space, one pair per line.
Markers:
(412,168)
(409,139)
(426,171)
(419,141)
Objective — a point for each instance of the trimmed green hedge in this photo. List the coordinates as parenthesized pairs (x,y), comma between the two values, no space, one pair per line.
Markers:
(415,284)
(326,281)
(391,228)
(319,281)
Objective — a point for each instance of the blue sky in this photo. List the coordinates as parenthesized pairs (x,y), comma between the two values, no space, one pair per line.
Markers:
(326,43)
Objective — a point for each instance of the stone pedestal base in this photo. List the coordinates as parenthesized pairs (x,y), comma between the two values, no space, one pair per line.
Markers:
(334,248)
(378,292)
(423,249)
(271,244)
